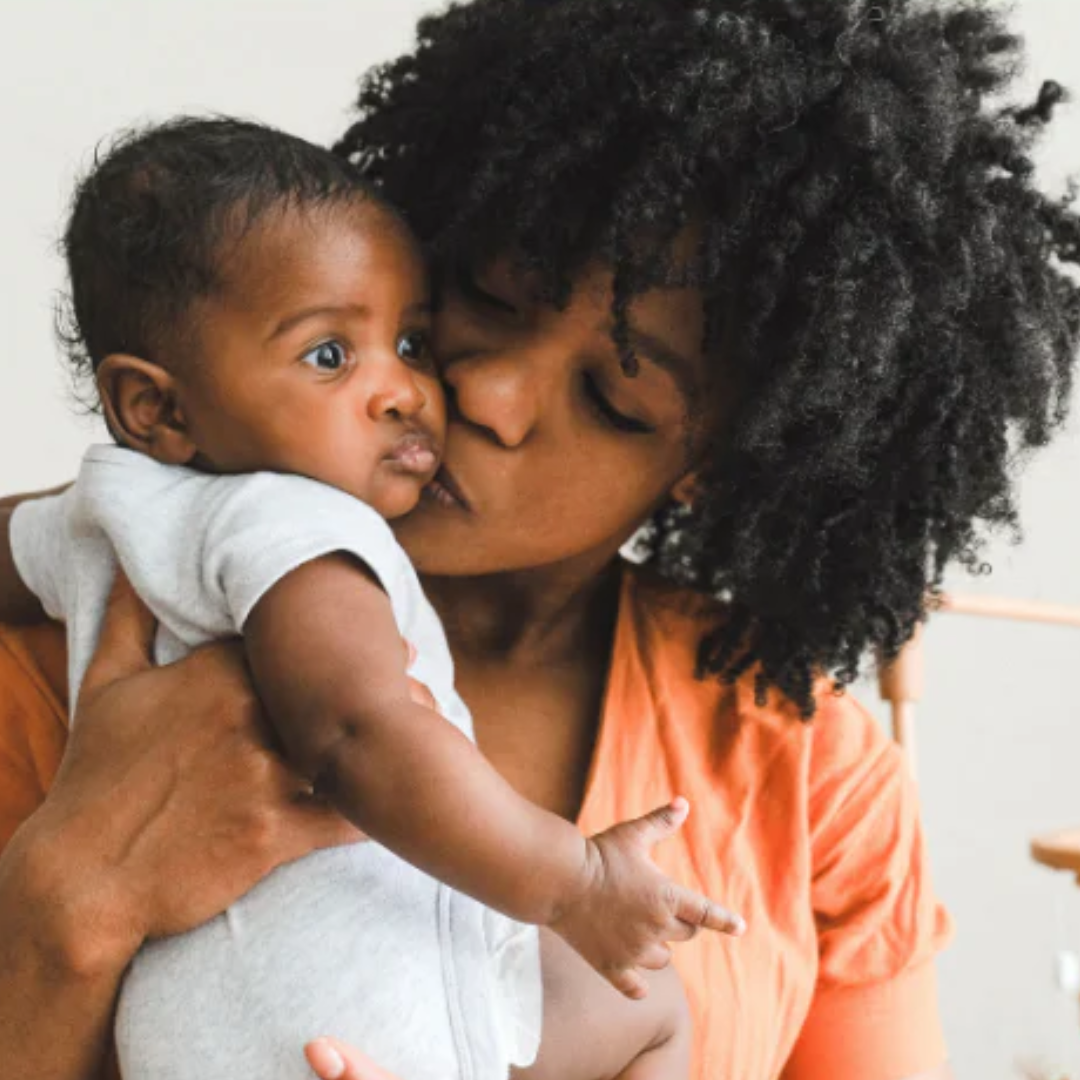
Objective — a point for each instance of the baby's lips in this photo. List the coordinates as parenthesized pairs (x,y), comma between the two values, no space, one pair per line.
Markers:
(415,453)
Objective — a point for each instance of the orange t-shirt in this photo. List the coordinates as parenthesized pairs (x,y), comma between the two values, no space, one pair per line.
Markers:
(810,831)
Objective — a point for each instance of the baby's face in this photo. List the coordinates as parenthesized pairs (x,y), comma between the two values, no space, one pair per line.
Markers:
(315,358)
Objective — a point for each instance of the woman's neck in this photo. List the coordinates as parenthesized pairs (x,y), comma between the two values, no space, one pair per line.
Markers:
(538,616)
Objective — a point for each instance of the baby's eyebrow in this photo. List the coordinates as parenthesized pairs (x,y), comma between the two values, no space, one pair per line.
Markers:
(421,307)
(298,317)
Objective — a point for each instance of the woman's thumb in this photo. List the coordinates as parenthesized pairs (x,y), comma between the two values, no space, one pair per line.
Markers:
(126,644)
(331,1059)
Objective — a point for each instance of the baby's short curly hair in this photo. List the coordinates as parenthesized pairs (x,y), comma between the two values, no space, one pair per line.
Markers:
(881,276)
(151,220)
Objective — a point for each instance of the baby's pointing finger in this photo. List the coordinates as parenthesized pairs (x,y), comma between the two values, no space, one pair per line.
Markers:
(697,910)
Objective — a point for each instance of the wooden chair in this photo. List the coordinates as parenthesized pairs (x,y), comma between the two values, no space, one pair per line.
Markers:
(901,682)
(901,685)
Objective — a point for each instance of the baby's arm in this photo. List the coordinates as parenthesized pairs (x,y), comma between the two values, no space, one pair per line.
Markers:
(325,653)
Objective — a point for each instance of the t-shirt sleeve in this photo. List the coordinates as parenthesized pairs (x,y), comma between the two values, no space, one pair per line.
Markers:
(33,732)
(874,1014)
(268,525)
(39,539)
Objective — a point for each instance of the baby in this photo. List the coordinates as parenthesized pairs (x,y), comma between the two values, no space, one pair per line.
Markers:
(256,320)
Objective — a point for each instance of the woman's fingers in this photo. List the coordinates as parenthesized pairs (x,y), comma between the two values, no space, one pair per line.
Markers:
(314,824)
(331,1059)
(126,645)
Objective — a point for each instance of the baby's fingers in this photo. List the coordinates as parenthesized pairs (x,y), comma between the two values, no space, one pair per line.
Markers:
(655,958)
(700,912)
(630,983)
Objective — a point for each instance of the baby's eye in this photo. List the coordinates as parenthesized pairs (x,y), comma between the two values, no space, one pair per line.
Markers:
(415,348)
(328,356)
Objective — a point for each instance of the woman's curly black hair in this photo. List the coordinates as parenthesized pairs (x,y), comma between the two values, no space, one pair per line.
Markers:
(880,275)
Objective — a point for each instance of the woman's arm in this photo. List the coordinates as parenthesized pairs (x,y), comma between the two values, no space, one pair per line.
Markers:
(206,810)
(9,502)
(55,1001)
(18,605)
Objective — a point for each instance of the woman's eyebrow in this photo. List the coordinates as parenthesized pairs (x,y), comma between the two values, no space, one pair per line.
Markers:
(681,368)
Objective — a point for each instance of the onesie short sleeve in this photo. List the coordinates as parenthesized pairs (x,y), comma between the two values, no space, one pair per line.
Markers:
(200,550)
(874,1011)
(267,525)
(40,549)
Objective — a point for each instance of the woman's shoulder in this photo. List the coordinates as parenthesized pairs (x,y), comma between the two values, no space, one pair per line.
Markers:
(660,629)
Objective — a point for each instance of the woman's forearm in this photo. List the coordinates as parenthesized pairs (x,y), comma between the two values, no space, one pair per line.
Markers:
(18,605)
(9,502)
(61,959)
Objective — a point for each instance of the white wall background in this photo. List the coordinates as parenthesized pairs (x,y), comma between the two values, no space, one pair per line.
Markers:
(1000,726)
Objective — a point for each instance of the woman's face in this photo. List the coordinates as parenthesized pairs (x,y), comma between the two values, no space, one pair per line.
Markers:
(552,452)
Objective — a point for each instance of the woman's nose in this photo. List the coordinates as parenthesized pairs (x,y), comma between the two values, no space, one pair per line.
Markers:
(398,394)
(499,394)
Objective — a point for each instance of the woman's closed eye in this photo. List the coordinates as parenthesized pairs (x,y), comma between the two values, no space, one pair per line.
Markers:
(609,414)
(327,356)
(414,348)
(472,290)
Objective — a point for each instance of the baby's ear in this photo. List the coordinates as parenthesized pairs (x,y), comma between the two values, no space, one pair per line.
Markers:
(142,409)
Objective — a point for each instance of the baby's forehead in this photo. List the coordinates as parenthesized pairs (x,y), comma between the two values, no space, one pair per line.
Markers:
(323,239)
(289,259)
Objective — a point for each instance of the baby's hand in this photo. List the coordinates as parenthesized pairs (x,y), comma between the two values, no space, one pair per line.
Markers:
(629,910)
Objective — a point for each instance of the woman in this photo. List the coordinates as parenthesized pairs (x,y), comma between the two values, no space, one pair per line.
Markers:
(768,278)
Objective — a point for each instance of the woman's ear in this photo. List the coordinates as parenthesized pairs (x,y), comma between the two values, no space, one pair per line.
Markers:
(142,409)
(685,490)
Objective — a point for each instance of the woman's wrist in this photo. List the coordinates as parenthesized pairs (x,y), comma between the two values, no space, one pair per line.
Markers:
(68,906)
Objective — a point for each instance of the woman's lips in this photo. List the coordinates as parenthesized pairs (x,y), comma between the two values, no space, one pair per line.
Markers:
(415,454)
(443,489)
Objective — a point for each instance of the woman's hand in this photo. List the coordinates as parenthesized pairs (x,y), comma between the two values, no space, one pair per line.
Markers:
(171,793)
(331,1059)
